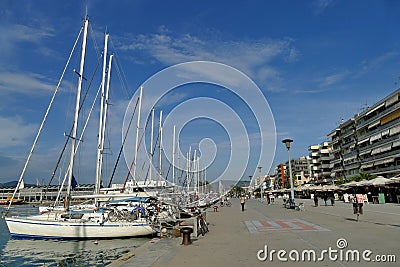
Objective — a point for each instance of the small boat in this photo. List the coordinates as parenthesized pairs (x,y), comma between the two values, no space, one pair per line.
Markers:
(14,201)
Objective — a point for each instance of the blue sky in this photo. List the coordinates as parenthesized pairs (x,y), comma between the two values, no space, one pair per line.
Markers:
(315,62)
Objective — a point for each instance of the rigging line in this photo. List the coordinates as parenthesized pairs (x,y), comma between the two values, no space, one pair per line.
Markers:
(44,119)
(154,148)
(169,168)
(122,81)
(70,132)
(141,171)
(137,150)
(120,70)
(147,173)
(123,143)
(96,47)
(77,146)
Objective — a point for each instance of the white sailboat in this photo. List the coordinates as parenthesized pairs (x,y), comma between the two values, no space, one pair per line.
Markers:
(80,224)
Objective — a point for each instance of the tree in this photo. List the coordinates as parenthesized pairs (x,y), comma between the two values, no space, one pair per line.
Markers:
(363,176)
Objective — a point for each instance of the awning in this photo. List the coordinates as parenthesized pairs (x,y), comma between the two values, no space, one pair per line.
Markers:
(363,141)
(376,151)
(396,143)
(384,161)
(367,165)
(388,160)
(376,137)
(350,158)
(375,108)
(385,132)
(365,152)
(394,130)
(386,148)
(391,100)
(373,124)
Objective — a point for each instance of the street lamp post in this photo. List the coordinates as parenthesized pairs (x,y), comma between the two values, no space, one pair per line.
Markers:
(262,182)
(287,142)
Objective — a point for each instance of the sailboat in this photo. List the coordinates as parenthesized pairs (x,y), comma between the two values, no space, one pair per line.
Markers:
(80,224)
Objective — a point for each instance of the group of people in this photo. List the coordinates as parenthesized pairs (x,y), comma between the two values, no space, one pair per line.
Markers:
(325,198)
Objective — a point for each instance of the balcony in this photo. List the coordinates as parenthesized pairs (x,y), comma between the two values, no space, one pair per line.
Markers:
(378,116)
(325,166)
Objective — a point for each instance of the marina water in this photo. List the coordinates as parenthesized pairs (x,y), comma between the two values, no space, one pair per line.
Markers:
(37,252)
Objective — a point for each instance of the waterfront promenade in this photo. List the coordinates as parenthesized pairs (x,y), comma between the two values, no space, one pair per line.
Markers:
(236,237)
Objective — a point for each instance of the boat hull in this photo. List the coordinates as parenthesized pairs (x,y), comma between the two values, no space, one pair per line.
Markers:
(48,229)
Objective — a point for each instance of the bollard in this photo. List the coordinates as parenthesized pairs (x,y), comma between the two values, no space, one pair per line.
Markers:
(186,231)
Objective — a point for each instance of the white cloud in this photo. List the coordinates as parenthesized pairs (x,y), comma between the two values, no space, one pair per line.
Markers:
(25,83)
(15,131)
(321,5)
(333,79)
(14,34)
(23,33)
(374,63)
(253,57)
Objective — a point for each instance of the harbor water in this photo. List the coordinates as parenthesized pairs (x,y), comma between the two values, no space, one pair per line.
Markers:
(37,252)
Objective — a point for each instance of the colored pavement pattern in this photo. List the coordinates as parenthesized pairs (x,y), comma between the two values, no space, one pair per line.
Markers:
(260,226)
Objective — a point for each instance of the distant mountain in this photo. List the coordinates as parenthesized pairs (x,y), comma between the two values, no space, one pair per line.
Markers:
(12,184)
(9,184)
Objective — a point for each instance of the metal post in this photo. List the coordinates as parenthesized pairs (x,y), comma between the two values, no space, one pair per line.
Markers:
(287,143)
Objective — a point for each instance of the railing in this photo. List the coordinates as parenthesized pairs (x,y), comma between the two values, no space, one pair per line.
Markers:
(381,156)
(379,115)
(373,132)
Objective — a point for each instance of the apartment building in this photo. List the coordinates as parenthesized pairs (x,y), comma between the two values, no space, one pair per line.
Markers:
(280,179)
(368,142)
(344,155)
(301,168)
(320,161)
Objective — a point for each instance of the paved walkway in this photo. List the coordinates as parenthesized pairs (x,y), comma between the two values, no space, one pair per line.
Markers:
(236,237)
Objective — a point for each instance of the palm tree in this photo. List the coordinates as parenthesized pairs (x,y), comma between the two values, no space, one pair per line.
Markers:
(363,176)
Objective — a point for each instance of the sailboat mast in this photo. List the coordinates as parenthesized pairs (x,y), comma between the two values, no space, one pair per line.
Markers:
(100,132)
(78,98)
(173,156)
(159,149)
(103,132)
(151,145)
(137,134)
(195,180)
(187,171)
(198,175)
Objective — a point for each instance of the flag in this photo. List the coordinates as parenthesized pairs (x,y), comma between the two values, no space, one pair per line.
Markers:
(74,183)
(21,184)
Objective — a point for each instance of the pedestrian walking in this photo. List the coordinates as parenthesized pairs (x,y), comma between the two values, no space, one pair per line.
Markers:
(326,200)
(315,200)
(242,202)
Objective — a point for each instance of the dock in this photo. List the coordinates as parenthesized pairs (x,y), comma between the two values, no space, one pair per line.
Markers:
(247,238)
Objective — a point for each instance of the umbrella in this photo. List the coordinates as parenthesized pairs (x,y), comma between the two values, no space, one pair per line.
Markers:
(352,184)
(395,179)
(329,188)
(378,181)
(315,188)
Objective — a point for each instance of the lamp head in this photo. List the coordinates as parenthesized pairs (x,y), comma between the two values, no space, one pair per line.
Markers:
(287,142)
